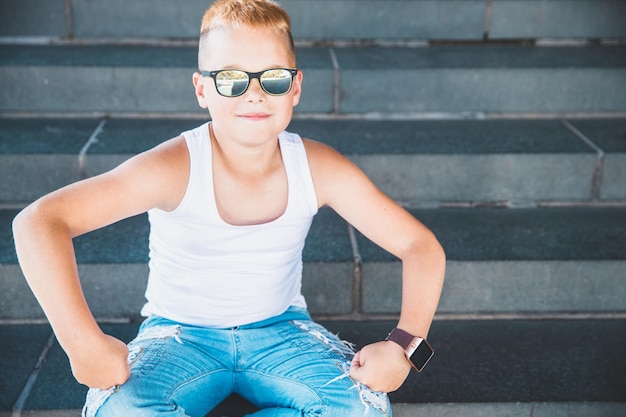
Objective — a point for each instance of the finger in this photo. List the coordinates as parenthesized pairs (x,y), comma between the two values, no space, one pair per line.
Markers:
(356,368)
(356,360)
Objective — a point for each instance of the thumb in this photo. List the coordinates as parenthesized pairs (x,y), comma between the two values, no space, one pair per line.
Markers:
(355,365)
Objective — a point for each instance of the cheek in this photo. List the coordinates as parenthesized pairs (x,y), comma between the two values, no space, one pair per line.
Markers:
(219,105)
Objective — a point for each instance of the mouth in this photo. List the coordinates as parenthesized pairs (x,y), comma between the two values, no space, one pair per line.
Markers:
(254,116)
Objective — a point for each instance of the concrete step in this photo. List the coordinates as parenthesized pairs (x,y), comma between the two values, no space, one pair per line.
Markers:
(578,409)
(515,19)
(507,262)
(436,79)
(326,20)
(512,363)
(414,161)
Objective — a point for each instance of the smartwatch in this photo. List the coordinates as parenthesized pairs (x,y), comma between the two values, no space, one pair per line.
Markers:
(418,351)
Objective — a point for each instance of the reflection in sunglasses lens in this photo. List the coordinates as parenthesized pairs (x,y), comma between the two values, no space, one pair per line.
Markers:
(276,81)
(232,83)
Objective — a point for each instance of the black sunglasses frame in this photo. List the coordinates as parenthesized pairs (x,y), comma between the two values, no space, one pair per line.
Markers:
(251,76)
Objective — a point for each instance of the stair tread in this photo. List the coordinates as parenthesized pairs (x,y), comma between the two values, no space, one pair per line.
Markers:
(481,57)
(443,137)
(556,233)
(608,134)
(398,58)
(128,56)
(475,361)
(363,137)
(47,136)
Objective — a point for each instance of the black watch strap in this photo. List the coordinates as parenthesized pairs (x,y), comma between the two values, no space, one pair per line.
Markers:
(401,337)
(417,350)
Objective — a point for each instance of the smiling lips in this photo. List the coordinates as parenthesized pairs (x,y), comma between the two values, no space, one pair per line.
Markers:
(254,116)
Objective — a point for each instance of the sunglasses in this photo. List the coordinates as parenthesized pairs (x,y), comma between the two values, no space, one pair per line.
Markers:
(233,83)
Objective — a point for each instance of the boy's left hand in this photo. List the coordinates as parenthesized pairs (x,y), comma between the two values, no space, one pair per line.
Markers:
(381,366)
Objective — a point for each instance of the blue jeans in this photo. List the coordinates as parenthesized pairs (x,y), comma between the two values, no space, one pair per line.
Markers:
(286,366)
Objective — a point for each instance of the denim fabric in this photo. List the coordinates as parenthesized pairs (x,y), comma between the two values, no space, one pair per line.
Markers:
(286,366)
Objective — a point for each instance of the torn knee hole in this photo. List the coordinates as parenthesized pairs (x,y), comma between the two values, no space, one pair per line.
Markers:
(159,332)
(332,341)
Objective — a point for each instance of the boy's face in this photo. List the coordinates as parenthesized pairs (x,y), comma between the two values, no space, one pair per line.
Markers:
(254,115)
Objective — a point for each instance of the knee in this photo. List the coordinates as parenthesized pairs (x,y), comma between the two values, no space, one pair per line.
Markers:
(358,400)
(111,403)
(96,398)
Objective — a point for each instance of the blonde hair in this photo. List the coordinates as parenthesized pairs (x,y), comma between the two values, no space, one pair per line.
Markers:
(248,14)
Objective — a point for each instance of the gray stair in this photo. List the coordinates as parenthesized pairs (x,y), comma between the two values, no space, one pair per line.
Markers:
(414,161)
(515,19)
(500,261)
(501,124)
(476,362)
(439,79)
(362,20)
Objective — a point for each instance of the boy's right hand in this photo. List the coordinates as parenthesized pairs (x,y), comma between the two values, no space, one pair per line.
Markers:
(101,364)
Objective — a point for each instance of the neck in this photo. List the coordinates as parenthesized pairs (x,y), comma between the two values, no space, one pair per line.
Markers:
(245,157)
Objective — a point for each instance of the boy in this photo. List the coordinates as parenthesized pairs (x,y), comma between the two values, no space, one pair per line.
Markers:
(230,204)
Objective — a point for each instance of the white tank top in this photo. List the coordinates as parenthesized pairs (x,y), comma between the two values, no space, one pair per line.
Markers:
(206,272)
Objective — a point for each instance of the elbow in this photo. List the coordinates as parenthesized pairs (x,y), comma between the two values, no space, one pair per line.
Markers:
(21,224)
(24,224)
(438,253)
(431,247)
(440,250)
(431,258)
(28,224)
(427,250)
(22,227)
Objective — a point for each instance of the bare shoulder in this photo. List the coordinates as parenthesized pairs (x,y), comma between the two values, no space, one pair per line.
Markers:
(323,157)
(163,172)
(334,175)
(156,178)
(174,150)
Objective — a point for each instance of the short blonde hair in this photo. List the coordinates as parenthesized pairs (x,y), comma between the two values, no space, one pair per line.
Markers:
(248,14)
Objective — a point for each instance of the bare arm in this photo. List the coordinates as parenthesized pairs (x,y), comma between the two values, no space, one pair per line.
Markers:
(344,187)
(43,235)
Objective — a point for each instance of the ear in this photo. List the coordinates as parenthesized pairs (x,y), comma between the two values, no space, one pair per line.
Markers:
(296,89)
(198,85)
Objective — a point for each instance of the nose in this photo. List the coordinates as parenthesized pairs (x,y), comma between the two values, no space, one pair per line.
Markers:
(254,91)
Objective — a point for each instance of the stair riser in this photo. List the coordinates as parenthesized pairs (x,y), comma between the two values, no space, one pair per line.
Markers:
(119,89)
(150,90)
(504,287)
(32,176)
(398,20)
(614,177)
(483,90)
(498,287)
(406,178)
(514,177)
(557,19)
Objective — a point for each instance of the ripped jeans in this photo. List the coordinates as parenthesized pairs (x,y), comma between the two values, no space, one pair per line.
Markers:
(286,366)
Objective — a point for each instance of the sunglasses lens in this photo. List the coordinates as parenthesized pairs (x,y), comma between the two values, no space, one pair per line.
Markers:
(276,81)
(231,83)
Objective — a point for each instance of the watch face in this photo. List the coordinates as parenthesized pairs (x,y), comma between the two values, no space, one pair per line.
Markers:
(422,353)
